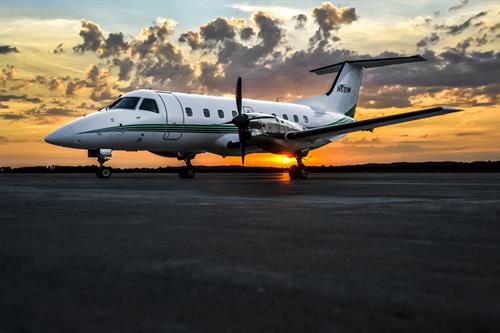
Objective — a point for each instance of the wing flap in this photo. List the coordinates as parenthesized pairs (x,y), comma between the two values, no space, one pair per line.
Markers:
(368,124)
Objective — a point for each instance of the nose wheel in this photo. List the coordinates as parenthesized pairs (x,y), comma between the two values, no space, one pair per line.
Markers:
(187,172)
(298,171)
(103,172)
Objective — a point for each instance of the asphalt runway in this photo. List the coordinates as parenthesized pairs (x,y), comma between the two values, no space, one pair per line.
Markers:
(250,252)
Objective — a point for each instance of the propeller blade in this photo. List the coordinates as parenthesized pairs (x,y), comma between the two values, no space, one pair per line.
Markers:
(238,95)
(242,145)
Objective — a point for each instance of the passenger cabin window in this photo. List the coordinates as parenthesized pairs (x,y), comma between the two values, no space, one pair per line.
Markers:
(247,109)
(127,103)
(285,117)
(149,104)
(234,113)
(295,118)
(189,112)
(305,119)
(206,112)
(221,113)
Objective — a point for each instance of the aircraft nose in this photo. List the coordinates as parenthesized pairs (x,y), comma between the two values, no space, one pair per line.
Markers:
(61,137)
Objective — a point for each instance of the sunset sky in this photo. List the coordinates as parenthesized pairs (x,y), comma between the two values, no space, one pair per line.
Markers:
(63,59)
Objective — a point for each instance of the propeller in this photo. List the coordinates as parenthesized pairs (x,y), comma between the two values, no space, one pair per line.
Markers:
(242,120)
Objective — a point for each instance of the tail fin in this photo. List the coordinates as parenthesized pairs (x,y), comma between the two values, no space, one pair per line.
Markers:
(343,95)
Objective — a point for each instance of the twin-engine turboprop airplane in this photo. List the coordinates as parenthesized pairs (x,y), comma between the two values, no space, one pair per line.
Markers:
(181,125)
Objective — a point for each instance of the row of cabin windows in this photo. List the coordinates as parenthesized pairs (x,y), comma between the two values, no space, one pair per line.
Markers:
(206,113)
(295,118)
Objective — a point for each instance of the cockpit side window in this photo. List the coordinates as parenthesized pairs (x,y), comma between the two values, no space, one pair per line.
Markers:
(149,104)
(127,103)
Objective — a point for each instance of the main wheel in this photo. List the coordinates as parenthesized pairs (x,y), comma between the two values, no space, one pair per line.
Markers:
(103,173)
(293,172)
(302,172)
(186,173)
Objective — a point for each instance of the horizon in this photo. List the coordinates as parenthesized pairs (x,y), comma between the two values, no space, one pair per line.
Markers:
(61,59)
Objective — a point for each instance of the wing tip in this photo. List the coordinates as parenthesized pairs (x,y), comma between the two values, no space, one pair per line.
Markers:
(450,109)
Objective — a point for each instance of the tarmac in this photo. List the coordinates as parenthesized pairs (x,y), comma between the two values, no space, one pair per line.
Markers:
(354,252)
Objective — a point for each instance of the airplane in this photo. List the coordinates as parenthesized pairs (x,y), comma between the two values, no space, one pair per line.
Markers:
(182,125)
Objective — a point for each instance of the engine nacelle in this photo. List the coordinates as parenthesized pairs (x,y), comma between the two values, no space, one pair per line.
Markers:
(271,126)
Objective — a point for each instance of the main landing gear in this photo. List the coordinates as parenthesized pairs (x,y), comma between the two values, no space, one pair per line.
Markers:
(103,171)
(298,171)
(187,172)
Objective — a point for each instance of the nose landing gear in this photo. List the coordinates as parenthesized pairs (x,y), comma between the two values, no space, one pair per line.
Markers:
(103,172)
(187,172)
(102,156)
(298,171)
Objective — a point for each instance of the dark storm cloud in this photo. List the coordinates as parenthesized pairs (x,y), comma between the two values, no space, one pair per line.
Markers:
(300,21)
(58,49)
(4,49)
(192,38)
(329,19)
(461,5)
(246,33)
(113,45)
(217,30)
(125,67)
(152,37)
(92,36)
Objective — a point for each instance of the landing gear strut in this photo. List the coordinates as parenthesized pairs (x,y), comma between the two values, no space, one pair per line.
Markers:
(298,171)
(103,171)
(187,172)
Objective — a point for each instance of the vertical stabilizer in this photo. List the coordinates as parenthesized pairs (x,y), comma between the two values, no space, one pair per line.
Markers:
(344,92)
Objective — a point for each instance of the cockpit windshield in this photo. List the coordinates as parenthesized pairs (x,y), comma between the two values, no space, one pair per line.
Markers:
(125,103)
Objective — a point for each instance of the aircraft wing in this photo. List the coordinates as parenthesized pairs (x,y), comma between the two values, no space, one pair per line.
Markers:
(368,124)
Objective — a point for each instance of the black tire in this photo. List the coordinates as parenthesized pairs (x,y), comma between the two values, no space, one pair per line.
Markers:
(186,173)
(293,172)
(302,172)
(103,173)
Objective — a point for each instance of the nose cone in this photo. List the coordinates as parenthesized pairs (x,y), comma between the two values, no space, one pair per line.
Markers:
(62,136)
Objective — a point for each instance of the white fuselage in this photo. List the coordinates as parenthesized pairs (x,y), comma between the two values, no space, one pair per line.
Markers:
(175,130)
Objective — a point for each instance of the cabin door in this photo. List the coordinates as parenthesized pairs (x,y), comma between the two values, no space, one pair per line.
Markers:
(174,117)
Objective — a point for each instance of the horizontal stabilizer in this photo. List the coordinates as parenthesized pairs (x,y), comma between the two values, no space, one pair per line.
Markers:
(368,124)
(369,63)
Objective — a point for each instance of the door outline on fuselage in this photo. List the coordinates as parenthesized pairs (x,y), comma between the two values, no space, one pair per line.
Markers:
(167,135)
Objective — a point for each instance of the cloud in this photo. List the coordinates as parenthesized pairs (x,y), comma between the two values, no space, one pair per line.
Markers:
(430,40)
(458,28)
(92,36)
(4,49)
(151,38)
(246,33)
(95,41)
(461,5)
(193,39)
(3,106)
(125,67)
(23,98)
(8,74)
(11,116)
(469,133)
(329,19)
(300,21)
